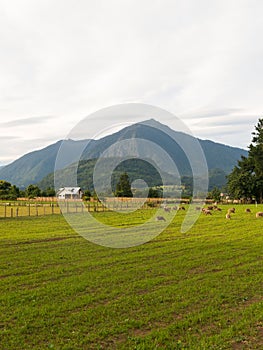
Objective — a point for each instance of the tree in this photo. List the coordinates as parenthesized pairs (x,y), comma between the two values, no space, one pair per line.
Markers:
(123,187)
(86,195)
(246,179)
(8,191)
(14,192)
(256,156)
(241,182)
(155,192)
(214,194)
(48,192)
(4,189)
(33,191)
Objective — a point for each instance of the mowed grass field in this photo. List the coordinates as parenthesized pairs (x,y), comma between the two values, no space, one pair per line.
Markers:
(199,290)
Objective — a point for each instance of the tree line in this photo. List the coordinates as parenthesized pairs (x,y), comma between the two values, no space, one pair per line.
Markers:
(12,192)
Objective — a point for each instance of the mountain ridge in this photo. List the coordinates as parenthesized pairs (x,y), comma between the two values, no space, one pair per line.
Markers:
(34,166)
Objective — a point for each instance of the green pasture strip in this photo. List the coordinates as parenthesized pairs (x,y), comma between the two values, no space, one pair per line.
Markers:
(198,290)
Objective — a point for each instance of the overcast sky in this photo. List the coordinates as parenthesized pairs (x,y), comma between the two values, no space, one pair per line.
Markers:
(62,60)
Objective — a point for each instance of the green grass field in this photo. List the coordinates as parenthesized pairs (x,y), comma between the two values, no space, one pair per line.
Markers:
(199,290)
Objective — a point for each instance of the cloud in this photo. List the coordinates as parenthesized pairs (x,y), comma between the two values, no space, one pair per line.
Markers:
(198,60)
(9,137)
(211,113)
(226,120)
(236,136)
(26,121)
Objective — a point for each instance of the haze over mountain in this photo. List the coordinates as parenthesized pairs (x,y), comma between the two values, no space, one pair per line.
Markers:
(34,166)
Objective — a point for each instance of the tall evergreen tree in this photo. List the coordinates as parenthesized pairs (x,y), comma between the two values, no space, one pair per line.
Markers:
(246,179)
(256,154)
(123,187)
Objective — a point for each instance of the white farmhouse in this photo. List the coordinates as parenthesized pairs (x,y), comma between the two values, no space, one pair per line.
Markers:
(70,193)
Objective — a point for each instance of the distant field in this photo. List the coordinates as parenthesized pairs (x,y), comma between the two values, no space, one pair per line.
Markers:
(199,290)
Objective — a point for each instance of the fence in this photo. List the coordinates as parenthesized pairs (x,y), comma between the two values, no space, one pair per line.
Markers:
(24,207)
(18,209)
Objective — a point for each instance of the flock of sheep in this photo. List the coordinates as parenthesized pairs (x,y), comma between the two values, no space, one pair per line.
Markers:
(207,211)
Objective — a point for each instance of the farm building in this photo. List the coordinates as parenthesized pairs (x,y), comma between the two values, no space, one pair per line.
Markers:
(69,193)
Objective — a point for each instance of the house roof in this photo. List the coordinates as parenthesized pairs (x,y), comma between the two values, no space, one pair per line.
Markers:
(69,190)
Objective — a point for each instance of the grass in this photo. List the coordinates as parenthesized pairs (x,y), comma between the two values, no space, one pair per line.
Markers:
(199,290)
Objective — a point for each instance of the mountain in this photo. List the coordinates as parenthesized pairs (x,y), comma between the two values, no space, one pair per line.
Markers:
(217,155)
(34,166)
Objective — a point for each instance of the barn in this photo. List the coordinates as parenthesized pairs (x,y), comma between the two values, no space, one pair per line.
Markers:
(69,193)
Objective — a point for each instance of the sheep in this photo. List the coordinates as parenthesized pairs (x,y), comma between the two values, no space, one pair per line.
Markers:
(207,212)
(167,209)
(231,210)
(247,210)
(228,216)
(181,208)
(160,218)
(259,214)
(217,209)
(210,207)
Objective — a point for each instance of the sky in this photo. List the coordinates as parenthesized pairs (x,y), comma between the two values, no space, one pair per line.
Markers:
(62,60)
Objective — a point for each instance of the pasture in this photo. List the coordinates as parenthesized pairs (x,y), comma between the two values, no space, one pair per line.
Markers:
(198,290)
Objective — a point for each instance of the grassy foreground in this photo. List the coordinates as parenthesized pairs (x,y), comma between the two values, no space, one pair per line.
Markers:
(199,290)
